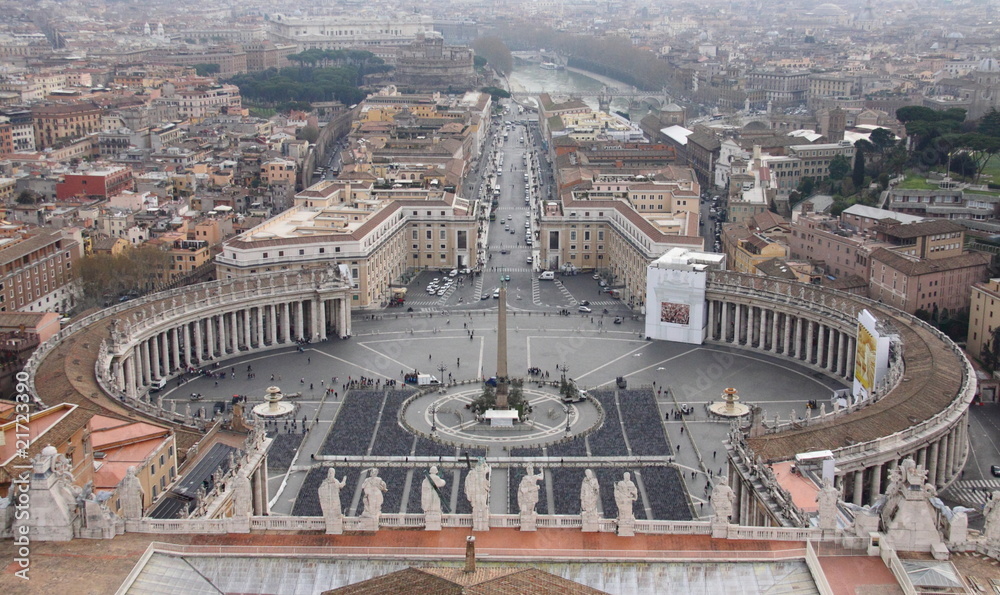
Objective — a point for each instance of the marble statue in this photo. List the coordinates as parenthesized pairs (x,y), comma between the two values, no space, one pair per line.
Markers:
(991,513)
(590,499)
(131,495)
(527,491)
(372,490)
(827,498)
(242,496)
(430,492)
(625,494)
(329,502)
(477,490)
(723,499)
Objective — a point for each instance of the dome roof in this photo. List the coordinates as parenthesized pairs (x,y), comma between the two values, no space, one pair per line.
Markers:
(829,10)
(989,65)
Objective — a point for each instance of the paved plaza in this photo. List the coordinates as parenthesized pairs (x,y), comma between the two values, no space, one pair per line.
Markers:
(674,458)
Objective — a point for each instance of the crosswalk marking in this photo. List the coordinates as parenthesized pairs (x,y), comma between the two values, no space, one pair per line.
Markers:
(973,493)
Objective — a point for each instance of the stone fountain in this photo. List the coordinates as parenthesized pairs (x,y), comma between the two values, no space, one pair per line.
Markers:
(729,407)
(273,405)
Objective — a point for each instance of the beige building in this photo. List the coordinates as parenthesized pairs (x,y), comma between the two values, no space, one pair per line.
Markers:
(984,317)
(378,235)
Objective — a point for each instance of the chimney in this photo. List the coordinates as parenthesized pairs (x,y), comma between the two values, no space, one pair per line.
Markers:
(470,554)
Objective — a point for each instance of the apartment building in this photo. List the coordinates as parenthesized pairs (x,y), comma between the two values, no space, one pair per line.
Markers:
(984,317)
(377,234)
(58,122)
(610,236)
(36,269)
(95,184)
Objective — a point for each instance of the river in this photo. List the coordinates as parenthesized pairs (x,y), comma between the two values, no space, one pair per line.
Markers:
(533,78)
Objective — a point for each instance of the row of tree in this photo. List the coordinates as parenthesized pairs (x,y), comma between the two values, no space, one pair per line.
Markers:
(300,85)
(105,277)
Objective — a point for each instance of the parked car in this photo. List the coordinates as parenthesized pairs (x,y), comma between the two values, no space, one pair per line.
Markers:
(584,309)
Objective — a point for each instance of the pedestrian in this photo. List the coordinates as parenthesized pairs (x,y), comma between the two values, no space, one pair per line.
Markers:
(272,377)
(713,455)
(302,380)
(309,360)
(682,429)
(678,448)
(310,386)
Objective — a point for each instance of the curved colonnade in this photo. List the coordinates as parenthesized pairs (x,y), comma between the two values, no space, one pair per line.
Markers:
(919,410)
(107,361)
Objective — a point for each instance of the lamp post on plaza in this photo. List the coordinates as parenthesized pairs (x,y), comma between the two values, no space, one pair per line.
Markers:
(442,369)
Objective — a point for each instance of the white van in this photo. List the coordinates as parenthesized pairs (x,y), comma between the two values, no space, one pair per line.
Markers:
(547,276)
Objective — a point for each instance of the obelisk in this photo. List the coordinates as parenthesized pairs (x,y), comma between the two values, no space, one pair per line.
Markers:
(502,349)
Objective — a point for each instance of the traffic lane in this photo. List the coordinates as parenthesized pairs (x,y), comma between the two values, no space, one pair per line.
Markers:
(984,441)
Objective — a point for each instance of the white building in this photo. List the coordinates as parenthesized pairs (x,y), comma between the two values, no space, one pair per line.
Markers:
(675,295)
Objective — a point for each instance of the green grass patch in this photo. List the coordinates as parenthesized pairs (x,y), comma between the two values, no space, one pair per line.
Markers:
(916,182)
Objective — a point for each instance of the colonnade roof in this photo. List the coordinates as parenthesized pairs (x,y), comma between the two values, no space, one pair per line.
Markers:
(932,380)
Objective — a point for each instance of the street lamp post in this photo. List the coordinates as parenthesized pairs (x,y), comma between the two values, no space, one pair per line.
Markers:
(433,417)
(442,369)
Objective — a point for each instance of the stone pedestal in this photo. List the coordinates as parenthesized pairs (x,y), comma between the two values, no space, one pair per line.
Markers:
(480,521)
(432,521)
(720,530)
(591,523)
(239,524)
(626,527)
(369,523)
(334,525)
(529,522)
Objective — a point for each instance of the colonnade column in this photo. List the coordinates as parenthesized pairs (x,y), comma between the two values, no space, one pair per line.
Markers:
(187,346)
(842,355)
(775,331)
(821,330)
(932,464)
(300,323)
(131,381)
(809,341)
(154,358)
(260,327)
(321,314)
(876,483)
(175,345)
(788,335)
(762,330)
(165,352)
(859,485)
(210,337)
(286,323)
(711,320)
(737,326)
(247,341)
(272,317)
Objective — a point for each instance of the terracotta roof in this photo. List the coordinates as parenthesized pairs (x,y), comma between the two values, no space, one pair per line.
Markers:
(919,229)
(767,220)
(911,267)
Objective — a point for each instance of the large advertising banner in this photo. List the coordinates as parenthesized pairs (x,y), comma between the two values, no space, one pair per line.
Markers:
(871,359)
(864,361)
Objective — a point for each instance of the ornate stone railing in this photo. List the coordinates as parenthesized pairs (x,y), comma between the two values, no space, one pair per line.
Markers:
(501,521)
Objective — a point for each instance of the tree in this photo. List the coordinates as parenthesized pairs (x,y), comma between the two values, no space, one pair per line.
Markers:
(806,186)
(496,93)
(839,166)
(27,197)
(207,69)
(990,124)
(858,175)
(496,53)
(309,133)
